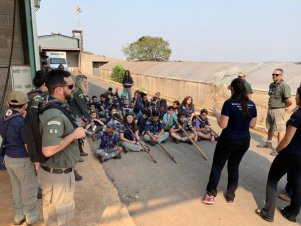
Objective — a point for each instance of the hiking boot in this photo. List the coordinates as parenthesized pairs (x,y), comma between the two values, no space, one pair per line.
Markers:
(83,153)
(77,176)
(266,145)
(284,197)
(208,199)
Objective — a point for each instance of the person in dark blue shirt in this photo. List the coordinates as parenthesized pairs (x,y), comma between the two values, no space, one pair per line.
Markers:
(142,119)
(19,167)
(108,147)
(155,130)
(187,108)
(129,135)
(237,116)
(288,160)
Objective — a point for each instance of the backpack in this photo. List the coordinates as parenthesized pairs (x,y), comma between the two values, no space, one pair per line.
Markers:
(2,147)
(33,136)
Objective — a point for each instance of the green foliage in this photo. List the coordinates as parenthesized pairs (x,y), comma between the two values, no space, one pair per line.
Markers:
(148,48)
(117,73)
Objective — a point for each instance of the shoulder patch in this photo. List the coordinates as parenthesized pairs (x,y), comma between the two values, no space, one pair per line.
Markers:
(54,123)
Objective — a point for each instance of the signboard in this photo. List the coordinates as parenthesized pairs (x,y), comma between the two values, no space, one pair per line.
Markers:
(21,78)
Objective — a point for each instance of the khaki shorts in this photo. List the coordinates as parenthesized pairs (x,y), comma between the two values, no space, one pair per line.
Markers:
(275,120)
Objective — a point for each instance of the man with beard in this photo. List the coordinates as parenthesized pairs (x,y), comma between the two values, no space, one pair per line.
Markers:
(60,144)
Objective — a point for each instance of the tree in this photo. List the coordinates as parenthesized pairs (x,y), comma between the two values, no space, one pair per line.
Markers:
(117,73)
(148,48)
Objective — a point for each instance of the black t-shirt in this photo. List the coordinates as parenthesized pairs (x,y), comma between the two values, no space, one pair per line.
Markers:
(294,146)
(238,126)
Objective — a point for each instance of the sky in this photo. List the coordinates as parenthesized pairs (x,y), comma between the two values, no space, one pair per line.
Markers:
(197,30)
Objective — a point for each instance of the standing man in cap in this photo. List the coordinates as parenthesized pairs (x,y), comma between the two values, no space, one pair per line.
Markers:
(60,144)
(19,167)
(243,75)
(280,99)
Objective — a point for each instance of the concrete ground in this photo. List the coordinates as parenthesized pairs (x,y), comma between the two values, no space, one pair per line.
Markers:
(162,194)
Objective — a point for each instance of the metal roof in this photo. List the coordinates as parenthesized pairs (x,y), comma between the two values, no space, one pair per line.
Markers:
(58,41)
(258,74)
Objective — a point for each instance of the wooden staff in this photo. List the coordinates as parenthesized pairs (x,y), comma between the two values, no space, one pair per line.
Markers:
(161,146)
(192,141)
(144,147)
(215,133)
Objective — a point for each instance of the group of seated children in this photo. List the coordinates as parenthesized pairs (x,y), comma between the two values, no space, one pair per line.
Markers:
(120,123)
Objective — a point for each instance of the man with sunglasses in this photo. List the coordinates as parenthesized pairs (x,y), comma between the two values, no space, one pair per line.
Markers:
(60,144)
(279,100)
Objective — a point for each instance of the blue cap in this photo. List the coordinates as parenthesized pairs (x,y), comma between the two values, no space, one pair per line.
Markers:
(111,125)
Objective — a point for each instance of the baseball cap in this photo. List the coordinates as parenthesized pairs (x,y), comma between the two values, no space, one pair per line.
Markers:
(242,74)
(17,98)
(111,125)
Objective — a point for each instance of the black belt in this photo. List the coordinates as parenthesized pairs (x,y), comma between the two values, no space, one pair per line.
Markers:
(56,171)
(277,108)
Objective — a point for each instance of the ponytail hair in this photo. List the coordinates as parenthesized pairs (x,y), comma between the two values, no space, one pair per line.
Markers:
(239,93)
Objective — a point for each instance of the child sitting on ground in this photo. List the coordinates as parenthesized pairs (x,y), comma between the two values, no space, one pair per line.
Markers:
(129,135)
(168,118)
(178,134)
(108,147)
(202,126)
(155,130)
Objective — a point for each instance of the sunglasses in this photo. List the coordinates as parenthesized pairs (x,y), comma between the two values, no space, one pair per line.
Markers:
(275,75)
(69,86)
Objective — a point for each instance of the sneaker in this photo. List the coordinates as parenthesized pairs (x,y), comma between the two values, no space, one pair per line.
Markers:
(19,222)
(266,145)
(208,199)
(117,156)
(151,142)
(284,197)
(175,140)
(80,159)
(230,202)
(189,142)
(77,176)
(83,153)
(125,150)
(102,159)
(284,214)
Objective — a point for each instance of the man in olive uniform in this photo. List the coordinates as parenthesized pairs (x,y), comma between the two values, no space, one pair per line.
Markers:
(280,99)
(60,144)
(243,75)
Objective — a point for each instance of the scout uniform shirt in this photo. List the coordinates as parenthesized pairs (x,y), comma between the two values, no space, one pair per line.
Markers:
(186,126)
(79,106)
(54,127)
(187,110)
(278,93)
(108,141)
(127,133)
(153,127)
